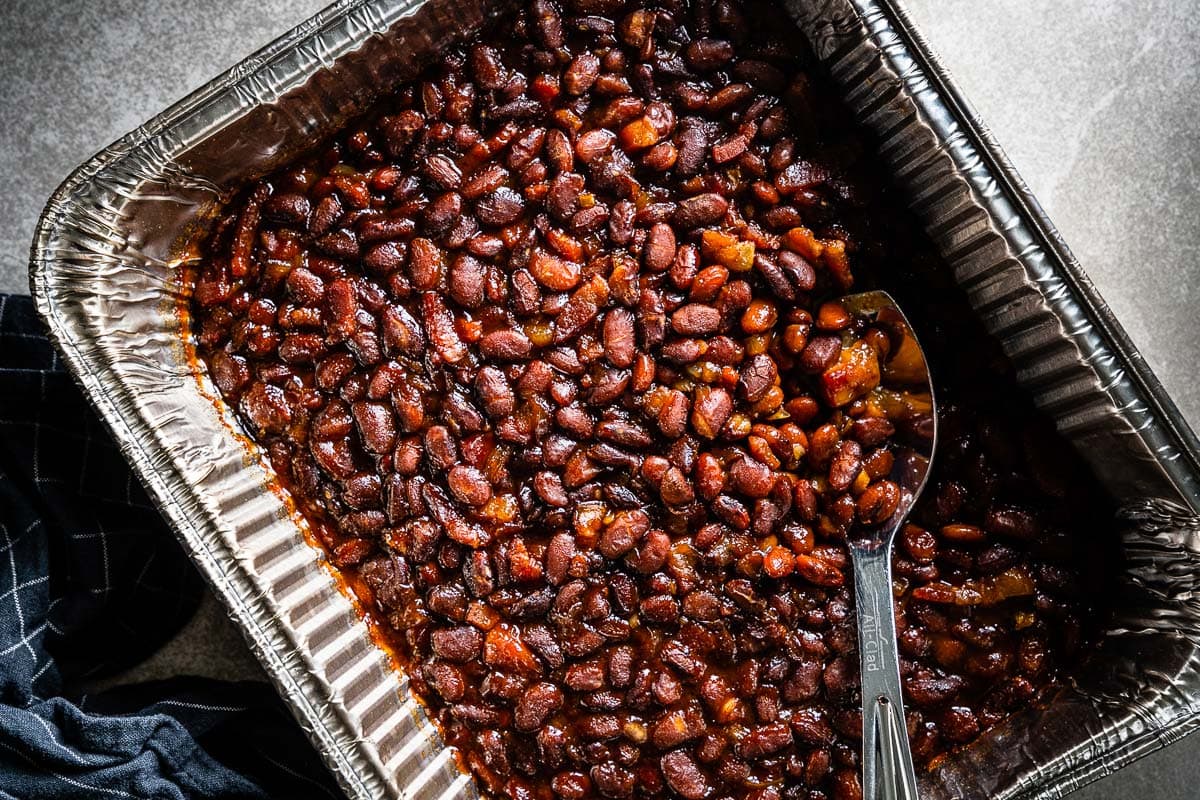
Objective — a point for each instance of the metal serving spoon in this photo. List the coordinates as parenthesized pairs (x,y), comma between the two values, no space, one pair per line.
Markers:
(906,387)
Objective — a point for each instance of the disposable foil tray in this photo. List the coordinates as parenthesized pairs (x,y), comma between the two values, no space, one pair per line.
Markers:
(114,239)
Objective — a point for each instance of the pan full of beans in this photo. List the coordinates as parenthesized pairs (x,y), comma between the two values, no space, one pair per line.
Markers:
(501,370)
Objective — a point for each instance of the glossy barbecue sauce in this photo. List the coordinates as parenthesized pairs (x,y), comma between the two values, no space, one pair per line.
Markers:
(550,352)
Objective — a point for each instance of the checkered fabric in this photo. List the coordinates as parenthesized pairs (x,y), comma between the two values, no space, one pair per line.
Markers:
(91,582)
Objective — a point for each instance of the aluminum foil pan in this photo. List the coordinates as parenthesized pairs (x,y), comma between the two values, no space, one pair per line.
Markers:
(115,237)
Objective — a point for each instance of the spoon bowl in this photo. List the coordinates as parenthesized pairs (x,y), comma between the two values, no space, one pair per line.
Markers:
(906,392)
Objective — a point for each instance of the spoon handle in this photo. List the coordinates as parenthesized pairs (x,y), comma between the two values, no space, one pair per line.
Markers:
(888,772)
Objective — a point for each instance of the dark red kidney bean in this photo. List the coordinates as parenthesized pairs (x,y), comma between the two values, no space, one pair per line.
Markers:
(624,433)
(409,408)
(933,691)
(439,325)
(613,780)
(696,319)
(469,485)
(621,222)
(305,286)
(487,67)
(327,214)
(1015,523)
(673,416)
(448,600)
(441,170)
(230,373)
(757,377)
(562,199)
(580,309)
(801,272)
(711,409)
(728,97)
(751,478)
(588,220)
(553,272)
(559,556)
(765,740)
(467,277)
(878,503)
(675,488)
(683,351)
(446,680)
(844,467)
(710,476)
(958,724)
(363,492)
(704,209)
(820,353)
(619,336)
(485,179)
(919,543)
(536,705)
(386,257)
(289,208)
(506,345)
(376,426)
(684,775)
(443,212)
(500,207)
(558,151)
(692,143)
(872,431)
(709,54)
(846,785)
(548,24)
(459,645)
(441,447)
(581,73)
(267,408)
(571,785)
(660,247)
(623,533)
(818,571)
(732,512)
(652,552)
(495,392)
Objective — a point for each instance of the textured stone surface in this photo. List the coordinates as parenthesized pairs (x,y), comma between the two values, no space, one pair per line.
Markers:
(1096,104)
(78,75)
(1095,101)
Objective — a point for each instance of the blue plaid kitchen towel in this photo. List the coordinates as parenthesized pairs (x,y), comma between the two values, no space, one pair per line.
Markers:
(91,582)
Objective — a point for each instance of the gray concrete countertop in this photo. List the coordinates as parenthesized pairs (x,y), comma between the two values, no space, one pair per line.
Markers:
(1095,101)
